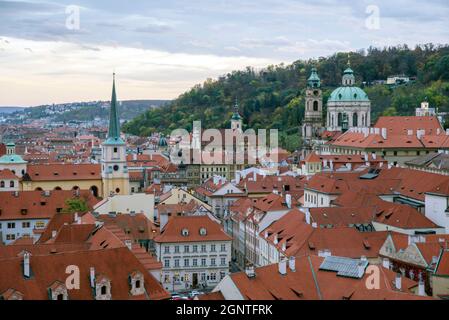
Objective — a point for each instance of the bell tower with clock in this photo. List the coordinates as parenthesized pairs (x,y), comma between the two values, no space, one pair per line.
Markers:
(313,118)
(114,169)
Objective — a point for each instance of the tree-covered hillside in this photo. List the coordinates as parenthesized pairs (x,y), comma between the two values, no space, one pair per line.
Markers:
(273,97)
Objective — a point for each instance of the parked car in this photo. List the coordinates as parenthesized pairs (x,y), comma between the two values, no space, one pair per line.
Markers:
(195,293)
(179,297)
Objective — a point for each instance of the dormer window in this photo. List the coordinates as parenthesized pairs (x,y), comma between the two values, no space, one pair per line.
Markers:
(136,281)
(102,288)
(203,231)
(58,291)
(184,232)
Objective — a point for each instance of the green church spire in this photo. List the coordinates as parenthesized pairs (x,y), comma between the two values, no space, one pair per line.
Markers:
(236,115)
(114,123)
(314,80)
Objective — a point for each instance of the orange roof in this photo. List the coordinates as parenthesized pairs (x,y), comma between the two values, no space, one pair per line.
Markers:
(443,264)
(7,174)
(63,171)
(400,124)
(311,283)
(172,231)
(114,264)
(37,205)
(271,202)
(137,226)
(312,157)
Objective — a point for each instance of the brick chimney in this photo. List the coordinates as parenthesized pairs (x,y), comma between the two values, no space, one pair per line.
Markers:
(282,266)
(26,264)
(292,264)
(398,281)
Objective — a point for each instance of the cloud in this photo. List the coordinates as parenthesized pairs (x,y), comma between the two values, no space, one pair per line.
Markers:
(154,28)
(63,71)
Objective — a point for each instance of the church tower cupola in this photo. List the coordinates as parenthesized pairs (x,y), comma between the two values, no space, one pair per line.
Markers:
(348,78)
(314,81)
(236,120)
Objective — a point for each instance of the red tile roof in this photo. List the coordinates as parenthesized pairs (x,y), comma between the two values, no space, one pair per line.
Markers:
(115,264)
(7,174)
(63,171)
(36,205)
(172,231)
(311,283)
(400,124)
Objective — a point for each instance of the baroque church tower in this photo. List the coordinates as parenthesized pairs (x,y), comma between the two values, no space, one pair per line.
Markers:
(236,120)
(312,125)
(114,170)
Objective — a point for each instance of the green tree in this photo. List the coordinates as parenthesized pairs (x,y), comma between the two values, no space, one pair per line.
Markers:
(75,205)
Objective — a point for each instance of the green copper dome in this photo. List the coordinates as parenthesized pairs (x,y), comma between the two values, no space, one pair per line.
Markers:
(235,114)
(11,159)
(348,94)
(348,71)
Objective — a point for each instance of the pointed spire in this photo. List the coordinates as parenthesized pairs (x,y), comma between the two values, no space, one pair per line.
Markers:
(114,123)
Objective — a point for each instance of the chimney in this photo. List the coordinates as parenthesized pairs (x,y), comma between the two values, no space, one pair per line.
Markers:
(288,200)
(314,225)
(75,217)
(421,288)
(129,244)
(250,272)
(254,175)
(92,277)
(386,263)
(26,264)
(398,281)
(374,155)
(53,233)
(361,268)
(307,214)
(282,266)
(292,264)
(384,133)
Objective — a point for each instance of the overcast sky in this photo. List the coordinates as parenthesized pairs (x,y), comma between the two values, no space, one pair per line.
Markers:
(159,49)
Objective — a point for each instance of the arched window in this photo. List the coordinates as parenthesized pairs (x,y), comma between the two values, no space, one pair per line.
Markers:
(11,184)
(104,290)
(355,119)
(75,188)
(340,119)
(38,189)
(315,106)
(94,190)
(2,184)
(58,188)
